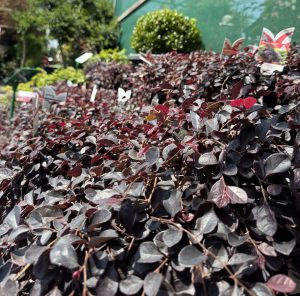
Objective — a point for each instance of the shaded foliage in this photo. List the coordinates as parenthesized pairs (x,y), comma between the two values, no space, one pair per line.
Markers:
(183,190)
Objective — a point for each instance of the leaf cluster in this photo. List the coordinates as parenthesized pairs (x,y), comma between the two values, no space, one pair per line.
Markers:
(109,55)
(193,188)
(78,25)
(42,78)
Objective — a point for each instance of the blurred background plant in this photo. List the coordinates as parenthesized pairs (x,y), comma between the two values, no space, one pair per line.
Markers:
(56,31)
(111,55)
(43,78)
(107,56)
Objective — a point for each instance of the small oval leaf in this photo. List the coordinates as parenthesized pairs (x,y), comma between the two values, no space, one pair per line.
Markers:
(190,256)
(281,283)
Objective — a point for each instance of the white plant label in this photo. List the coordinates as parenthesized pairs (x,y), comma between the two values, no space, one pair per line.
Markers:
(93,96)
(123,96)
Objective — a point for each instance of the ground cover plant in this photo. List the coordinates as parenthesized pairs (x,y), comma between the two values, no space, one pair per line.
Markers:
(191,187)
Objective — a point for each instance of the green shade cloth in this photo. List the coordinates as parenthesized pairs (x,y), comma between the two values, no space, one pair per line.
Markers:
(218,19)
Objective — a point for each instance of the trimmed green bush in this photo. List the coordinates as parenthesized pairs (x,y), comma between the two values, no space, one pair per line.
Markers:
(165,30)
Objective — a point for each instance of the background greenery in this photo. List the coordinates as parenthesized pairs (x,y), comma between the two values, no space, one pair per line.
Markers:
(76,25)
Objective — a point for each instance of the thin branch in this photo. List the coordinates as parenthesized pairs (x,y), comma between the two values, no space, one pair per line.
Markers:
(153,189)
(206,251)
(27,266)
(85,289)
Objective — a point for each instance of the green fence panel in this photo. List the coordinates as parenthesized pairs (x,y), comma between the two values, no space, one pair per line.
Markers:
(218,19)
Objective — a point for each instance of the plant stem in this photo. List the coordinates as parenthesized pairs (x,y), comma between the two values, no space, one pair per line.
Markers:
(206,251)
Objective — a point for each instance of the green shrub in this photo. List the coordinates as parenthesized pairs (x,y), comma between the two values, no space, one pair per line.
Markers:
(165,30)
(113,55)
(42,78)
(108,55)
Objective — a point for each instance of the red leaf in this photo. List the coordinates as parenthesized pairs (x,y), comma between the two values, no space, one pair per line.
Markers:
(184,216)
(237,195)
(261,261)
(51,126)
(281,283)
(236,103)
(76,274)
(246,103)
(222,195)
(62,123)
(249,102)
(96,158)
(218,194)
(162,108)
(143,150)
(75,172)
(147,127)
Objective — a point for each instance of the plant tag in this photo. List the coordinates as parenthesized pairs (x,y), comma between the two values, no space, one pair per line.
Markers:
(25,96)
(273,50)
(46,106)
(123,96)
(35,101)
(61,97)
(83,58)
(250,50)
(145,60)
(233,49)
(49,93)
(93,95)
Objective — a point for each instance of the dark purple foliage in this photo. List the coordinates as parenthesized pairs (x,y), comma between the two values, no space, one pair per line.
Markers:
(179,192)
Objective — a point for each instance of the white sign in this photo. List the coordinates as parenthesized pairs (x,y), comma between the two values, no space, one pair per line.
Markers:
(83,58)
(94,92)
(35,101)
(25,96)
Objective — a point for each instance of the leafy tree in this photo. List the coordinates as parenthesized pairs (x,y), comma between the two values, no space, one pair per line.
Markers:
(31,43)
(77,25)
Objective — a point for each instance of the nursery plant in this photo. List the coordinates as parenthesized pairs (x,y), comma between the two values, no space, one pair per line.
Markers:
(190,186)
(165,30)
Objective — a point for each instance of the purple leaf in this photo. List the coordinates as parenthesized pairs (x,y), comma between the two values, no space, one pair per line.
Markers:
(281,283)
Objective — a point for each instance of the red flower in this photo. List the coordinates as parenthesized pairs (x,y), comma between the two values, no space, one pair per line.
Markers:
(246,103)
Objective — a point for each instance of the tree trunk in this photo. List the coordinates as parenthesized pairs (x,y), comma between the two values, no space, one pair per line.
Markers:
(24,48)
(63,57)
